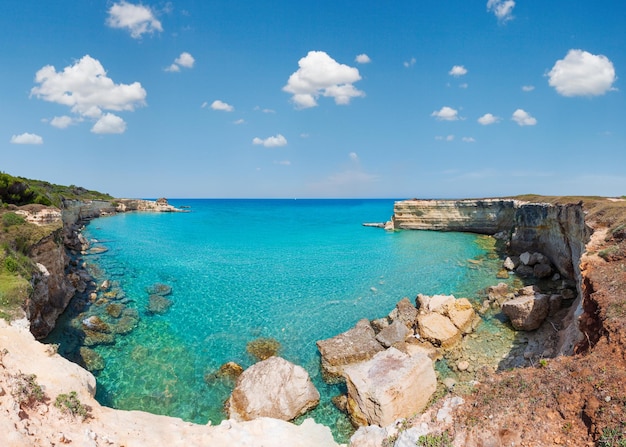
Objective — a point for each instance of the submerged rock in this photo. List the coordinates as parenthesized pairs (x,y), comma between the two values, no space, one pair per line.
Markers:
(159,289)
(389,386)
(158,304)
(229,371)
(272,388)
(91,359)
(115,309)
(127,322)
(263,348)
(95,324)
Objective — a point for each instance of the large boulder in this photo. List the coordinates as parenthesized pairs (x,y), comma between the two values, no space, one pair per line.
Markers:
(389,386)
(438,329)
(355,345)
(462,315)
(527,312)
(272,388)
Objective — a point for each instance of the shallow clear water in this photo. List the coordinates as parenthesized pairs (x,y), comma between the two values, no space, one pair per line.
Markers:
(294,270)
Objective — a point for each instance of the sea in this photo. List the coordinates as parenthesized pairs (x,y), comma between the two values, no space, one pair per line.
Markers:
(290,271)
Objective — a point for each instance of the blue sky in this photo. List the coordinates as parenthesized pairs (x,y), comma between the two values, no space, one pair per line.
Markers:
(405,98)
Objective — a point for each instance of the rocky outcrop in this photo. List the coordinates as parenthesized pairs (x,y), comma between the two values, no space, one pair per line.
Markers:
(527,312)
(272,388)
(557,231)
(42,423)
(388,386)
(58,280)
(355,345)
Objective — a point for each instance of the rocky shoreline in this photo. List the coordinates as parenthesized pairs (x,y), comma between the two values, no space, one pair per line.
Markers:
(407,338)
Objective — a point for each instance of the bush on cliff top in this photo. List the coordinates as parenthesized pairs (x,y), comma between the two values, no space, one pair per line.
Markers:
(21,191)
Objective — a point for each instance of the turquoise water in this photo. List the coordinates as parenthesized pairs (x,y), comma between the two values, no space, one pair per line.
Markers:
(294,270)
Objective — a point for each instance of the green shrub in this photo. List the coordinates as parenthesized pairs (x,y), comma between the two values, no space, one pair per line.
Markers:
(442,440)
(9,219)
(70,403)
(11,265)
(607,253)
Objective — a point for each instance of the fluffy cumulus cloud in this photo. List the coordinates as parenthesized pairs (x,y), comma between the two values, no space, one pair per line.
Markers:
(528,88)
(321,75)
(62,122)
(185,60)
(458,70)
(109,123)
(137,19)
(222,106)
(581,73)
(26,138)
(487,119)
(523,118)
(410,62)
(275,141)
(446,114)
(86,89)
(503,9)
(363,59)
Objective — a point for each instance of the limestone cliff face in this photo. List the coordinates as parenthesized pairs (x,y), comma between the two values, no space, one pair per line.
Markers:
(488,216)
(557,231)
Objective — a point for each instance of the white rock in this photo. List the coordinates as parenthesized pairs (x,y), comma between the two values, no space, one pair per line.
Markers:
(273,388)
(391,385)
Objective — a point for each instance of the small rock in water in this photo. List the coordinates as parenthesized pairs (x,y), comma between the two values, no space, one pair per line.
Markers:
(263,348)
(159,289)
(158,304)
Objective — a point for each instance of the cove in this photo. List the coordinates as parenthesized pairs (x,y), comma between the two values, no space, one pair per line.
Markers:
(296,271)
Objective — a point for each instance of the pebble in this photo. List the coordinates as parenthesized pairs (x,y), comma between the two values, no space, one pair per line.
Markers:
(463,365)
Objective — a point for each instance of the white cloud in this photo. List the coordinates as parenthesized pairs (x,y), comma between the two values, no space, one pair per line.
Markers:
(410,63)
(220,105)
(319,74)
(184,60)
(464,85)
(523,118)
(283,162)
(446,114)
(487,119)
(446,138)
(581,73)
(62,122)
(363,59)
(503,9)
(468,140)
(458,70)
(86,89)
(239,121)
(528,88)
(26,138)
(276,141)
(353,156)
(109,123)
(137,19)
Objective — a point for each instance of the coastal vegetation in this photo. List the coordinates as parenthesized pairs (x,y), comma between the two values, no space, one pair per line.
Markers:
(22,191)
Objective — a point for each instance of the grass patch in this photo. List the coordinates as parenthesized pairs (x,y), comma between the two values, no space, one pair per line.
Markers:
(14,290)
(608,252)
(431,440)
(26,390)
(613,437)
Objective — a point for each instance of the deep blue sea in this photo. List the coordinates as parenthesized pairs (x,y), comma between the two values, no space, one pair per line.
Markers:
(294,270)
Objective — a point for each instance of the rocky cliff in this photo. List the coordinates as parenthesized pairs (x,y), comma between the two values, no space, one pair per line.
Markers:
(556,230)
(58,279)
